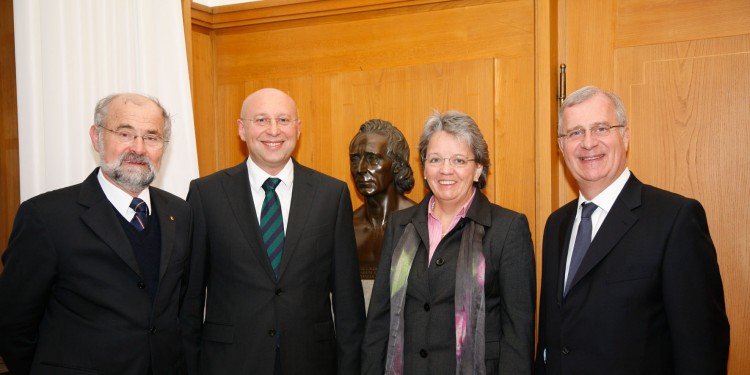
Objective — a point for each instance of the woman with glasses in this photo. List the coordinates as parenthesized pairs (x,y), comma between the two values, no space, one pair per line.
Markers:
(455,288)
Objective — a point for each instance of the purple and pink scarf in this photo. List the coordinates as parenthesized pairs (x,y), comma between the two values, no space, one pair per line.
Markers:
(469,300)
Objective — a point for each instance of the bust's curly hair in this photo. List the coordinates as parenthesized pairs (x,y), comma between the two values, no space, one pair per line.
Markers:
(396,149)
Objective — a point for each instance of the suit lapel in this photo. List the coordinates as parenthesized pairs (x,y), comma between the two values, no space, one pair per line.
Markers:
(564,231)
(102,219)
(618,222)
(420,268)
(167,226)
(236,186)
(303,194)
(420,224)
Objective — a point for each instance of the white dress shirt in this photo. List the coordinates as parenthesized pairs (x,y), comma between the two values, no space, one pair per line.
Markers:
(120,199)
(258,176)
(604,202)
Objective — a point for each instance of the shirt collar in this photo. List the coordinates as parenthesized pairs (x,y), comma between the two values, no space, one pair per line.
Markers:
(606,199)
(258,176)
(461,213)
(120,199)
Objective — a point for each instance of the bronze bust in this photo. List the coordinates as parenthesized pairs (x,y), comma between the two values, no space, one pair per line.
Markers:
(379,162)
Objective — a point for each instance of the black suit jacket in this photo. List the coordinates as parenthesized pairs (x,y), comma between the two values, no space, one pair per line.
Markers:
(72,298)
(248,311)
(429,309)
(647,299)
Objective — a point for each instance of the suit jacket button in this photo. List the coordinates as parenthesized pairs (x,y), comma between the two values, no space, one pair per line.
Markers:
(426,307)
(423,353)
(152,330)
(141,285)
(565,350)
(272,332)
(278,292)
(439,262)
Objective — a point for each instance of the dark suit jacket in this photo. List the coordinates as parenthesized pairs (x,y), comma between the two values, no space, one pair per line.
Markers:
(429,309)
(72,298)
(648,297)
(249,311)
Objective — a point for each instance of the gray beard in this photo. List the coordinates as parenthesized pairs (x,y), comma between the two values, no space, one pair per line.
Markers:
(133,180)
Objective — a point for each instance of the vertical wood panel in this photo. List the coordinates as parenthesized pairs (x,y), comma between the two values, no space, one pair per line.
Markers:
(546,57)
(690,126)
(514,145)
(229,148)
(589,28)
(9,177)
(204,97)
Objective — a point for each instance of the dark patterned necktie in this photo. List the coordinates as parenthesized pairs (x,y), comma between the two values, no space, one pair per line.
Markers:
(272,224)
(583,240)
(140,220)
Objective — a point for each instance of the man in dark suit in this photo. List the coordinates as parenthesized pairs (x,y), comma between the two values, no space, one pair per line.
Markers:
(270,256)
(630,280)
(93,272)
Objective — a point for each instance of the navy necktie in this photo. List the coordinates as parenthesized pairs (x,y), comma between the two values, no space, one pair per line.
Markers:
(581,246)
(272,224)
(140,220)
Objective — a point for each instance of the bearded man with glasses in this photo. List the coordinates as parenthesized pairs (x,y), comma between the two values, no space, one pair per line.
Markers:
(94,272)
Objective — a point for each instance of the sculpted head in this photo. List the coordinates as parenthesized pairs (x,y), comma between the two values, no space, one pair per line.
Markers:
(379,157)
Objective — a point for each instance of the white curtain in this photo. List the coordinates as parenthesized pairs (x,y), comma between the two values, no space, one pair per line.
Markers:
(70,54)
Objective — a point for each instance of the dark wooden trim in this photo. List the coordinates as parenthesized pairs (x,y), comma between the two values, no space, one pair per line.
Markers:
(10,193)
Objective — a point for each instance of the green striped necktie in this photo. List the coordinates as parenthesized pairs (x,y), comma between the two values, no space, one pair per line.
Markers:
(272,224)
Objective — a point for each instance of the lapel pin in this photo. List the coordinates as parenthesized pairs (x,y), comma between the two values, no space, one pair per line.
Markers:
(171,217)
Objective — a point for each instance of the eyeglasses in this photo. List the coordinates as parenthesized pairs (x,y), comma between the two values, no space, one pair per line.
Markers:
(126,137)
(599,131)
(456,161)
(267,121)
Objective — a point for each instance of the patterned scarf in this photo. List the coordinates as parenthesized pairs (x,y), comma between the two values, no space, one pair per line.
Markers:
(469,300)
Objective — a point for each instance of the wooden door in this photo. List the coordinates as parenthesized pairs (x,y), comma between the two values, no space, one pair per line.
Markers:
(681,68)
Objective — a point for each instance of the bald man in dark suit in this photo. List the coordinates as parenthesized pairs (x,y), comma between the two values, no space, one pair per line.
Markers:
(268,308)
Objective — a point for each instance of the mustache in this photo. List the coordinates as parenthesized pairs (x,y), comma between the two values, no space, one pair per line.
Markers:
(129,178)
(135,158)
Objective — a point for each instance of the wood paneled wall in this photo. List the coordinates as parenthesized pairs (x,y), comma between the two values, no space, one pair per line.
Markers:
(347,62)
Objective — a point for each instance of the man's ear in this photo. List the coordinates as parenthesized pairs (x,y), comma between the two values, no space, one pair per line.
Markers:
(94,134)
